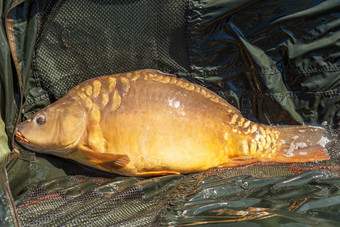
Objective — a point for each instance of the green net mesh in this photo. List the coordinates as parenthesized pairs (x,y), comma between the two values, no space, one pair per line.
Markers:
(78,40)
(213,197)
(81,200)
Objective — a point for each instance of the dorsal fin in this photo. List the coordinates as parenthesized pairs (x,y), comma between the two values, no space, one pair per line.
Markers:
(156,72)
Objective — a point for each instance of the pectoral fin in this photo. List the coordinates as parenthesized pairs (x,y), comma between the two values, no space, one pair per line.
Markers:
(106,160)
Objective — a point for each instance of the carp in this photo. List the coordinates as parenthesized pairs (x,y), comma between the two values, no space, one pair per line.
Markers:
(148,123)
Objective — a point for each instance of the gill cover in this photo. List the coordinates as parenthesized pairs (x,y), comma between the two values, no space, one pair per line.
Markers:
(54,129)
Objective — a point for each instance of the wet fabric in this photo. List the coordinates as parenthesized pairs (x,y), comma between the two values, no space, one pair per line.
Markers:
(81,200)
(278,62)
(278,59)
(4,150)
(306,199)
(272,68)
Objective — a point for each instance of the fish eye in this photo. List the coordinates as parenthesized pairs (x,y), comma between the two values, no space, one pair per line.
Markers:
(40,119)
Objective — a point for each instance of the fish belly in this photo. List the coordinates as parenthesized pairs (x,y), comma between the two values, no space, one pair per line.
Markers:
(156,142)
(160,127)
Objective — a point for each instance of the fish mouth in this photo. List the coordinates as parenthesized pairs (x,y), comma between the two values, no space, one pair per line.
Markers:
(20,138)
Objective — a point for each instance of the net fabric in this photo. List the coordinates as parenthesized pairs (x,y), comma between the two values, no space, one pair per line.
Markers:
(203,198)
(309,198)
(79,40)
(81,200)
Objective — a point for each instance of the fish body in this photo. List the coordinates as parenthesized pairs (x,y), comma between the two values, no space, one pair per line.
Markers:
(146,123)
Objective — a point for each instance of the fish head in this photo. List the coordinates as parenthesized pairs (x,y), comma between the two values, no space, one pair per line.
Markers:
(55,129)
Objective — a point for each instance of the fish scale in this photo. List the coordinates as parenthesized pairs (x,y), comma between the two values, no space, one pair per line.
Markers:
(264,142)
(146,123)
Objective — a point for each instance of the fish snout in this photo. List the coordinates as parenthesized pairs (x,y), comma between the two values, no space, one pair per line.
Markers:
(19,137)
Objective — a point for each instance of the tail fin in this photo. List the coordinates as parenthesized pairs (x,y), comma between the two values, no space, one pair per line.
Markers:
(302,144)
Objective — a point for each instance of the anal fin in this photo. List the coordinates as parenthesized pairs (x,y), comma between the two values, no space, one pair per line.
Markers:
(157,173)
(236,161)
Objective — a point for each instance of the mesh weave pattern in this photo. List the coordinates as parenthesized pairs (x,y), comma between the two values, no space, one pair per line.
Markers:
(105,202)
(80,39)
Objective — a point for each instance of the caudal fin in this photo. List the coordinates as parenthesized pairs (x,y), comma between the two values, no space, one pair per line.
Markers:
(302,144)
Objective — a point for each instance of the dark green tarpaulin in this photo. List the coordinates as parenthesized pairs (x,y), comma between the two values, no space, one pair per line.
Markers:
(276,61)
